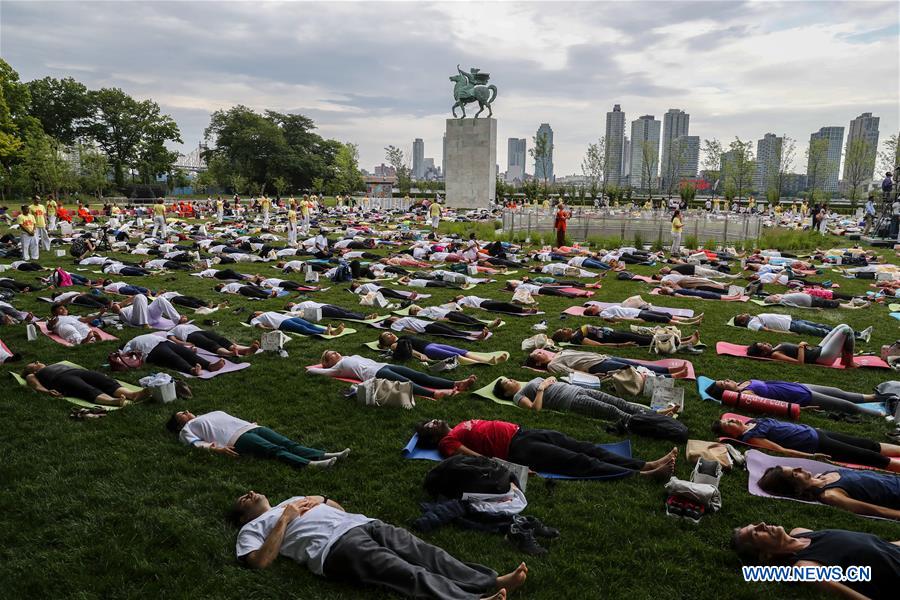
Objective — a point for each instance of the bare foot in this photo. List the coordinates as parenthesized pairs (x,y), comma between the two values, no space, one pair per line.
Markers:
(217,365)
(484,334)
(501,595)
(514,579)
(694,339)
(671,456)
(465,384)
(495,323)
(439,394)
(196,370)
(370,317)
(662,472)
(337,330)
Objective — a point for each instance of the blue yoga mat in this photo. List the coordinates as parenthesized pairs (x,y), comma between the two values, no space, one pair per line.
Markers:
(705,382)
(411,450)
(896,315)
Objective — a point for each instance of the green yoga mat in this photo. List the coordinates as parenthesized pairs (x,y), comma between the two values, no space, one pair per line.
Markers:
(488,392)
(894,307)
(487,355)
(404,312)
(78,401)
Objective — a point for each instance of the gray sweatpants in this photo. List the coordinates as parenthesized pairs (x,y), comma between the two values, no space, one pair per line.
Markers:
(600,405)
(831,398)
(383,555)
(839,340)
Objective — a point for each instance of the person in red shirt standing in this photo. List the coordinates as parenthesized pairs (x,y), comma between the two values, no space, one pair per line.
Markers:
(539,449)
(562,215)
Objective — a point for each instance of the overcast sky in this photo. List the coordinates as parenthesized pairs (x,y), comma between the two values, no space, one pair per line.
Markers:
(375,73)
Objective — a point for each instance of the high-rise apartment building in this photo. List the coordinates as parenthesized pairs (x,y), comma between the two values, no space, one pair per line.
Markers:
(644,152)
(543,167)
(676,123)
(864,127)
(768,161)
(515,160)
(418,166)
(613,172)
(626,162)
(827,181)
(688,148)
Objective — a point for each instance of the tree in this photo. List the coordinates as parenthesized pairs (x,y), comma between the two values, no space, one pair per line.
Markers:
(280,184)
(890,155)
(16,125)
(779,168)
(239,183)
(675,159)
(62,106)
(817,168)
(397,159)
(740,166)
(205,181)
(131,133)
(687,191)
(593,164)
(712,162)
(649,165)
(859,163)
(346,166)
(94,171)
(542,153)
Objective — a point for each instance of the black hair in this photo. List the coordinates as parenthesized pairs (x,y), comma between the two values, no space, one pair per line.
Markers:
(499,390)
(428,439)
(532,363)
(172,424)
(716,428)
(755,349)
(742,320)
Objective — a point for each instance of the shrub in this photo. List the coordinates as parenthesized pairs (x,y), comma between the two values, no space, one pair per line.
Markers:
(690,241)
(638,239)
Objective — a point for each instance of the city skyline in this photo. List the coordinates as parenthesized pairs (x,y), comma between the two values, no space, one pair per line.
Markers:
(375,92)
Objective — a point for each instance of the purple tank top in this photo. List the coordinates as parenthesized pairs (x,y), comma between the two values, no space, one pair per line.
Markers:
(780,390)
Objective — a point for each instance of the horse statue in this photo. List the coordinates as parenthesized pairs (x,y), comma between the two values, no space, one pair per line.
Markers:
(469,87)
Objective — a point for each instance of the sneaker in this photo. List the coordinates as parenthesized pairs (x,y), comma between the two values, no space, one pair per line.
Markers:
(538,527)
(523,540)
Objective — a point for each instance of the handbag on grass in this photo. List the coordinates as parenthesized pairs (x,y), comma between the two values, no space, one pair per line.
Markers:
(123,361)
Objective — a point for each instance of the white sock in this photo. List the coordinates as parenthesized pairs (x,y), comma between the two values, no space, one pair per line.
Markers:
(322,464)
(342,454)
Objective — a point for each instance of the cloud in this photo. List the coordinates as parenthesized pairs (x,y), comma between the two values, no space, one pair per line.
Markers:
(376,73)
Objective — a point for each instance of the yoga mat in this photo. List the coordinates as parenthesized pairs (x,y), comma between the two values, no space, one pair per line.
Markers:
(580,293)
(703,384)
(643,278)
(229,367)
(412,451)
(471,335)
(346,331)
(77,401)
(404,312)
(763,303)
(655,292)
(463,361)
(42,326)
(350,380)
(872,362)
(894,307)
(675,312)
(758,462)
(895,315)
(162,324)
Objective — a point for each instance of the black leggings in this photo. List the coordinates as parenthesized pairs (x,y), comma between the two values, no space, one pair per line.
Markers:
(421,381)
(228,274)
(554,452)
(330,311)
(134,272)
(252,291)
(504,307)
(175,265)
(84,384)
(29,266)
(852,449)
(389,293)
(189,302)
(547,290)
(463,319)
(652,316)
(446,330)
(617,364)
(502,262)
(823,303)
(209,341)
(171,355)
(90,301)
(12,284)
(290,285)
(612,336)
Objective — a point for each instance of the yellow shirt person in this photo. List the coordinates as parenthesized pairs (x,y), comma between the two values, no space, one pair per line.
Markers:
(26,222)
(39,212)
(159,209)
(677,225)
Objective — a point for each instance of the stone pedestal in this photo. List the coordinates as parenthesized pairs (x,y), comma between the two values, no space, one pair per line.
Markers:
(470,162)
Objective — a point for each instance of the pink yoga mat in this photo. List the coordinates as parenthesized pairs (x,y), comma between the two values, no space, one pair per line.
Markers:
(580,292)
(643,278)
(230,367)
(873,362)
(42,325)
(665,362)
(655,292)
(675,312)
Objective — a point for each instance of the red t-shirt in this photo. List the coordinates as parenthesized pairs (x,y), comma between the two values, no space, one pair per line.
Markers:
(488,438)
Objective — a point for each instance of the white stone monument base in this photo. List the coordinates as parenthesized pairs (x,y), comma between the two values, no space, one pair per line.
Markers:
(470,163)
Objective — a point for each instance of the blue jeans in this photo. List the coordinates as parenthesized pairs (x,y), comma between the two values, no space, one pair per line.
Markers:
(298,325)
(804,327)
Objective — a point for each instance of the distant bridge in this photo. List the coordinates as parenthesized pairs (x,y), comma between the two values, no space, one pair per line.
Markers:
(193,162)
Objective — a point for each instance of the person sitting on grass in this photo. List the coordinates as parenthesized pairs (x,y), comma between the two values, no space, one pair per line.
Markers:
(567,361)
(803,394)
(770,544)
(626,313)
(803,441)
(291,323)
(224,434)
(862,492)
(347,547)
(776,322)
(190,335)
(547,393)
(60,379)
(538,449)
(361,368)
(839,343)
(425,350)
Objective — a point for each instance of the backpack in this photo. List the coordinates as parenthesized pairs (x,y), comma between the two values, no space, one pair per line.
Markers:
(343,273)
(624,275)
(666,342)
(462,474)
(60,278)
(654,425)
(403,350)
(384,392)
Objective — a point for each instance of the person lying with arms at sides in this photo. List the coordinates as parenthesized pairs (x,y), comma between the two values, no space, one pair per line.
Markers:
(539,449)
(540,393)
(493,305)
(159,351)
(291,323)
(803,441)
(567,361)
(329,311)
(362,368)
(762,544)
(224,434)
(451,312)
(804,300)
(317,532)
(776,322)
(671,289)
(839,343)
(696,271)
(803,394)
(190,336)
(426,350)
(91,386)
(414,325)
(589,335)
(627,313)
(863,492)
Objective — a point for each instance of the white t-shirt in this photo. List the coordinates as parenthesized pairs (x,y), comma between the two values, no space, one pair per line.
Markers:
(367,288)
(435,313)
(217,427)
(114,287)
(770,321)
(673,277)
(183,331)
(773,278)
(143,343)
(620,312)
(208,273)
(307,539)
(158,263)
(355,366)
(115,268)
(92,260)
(419,283)
(530,287)
(271,282)
(576,261)
(65,296)
(72,329)
(471,301)
(232,288)
(409,324)
(306,305)
(294,265)
(270,319)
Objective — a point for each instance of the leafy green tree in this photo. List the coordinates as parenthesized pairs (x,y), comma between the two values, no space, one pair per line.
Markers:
(779,168)
(712,162)
(593,163)
(280,184)
(818,166)
(239,184)
(397,159)
(94,171)
(649,165)
(740,166)
(859,163)
(15,123)
(61,105)
(346,166)
(890,154)
(542,152)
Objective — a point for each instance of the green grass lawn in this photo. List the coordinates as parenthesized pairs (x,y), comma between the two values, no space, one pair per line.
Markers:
(117,508)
